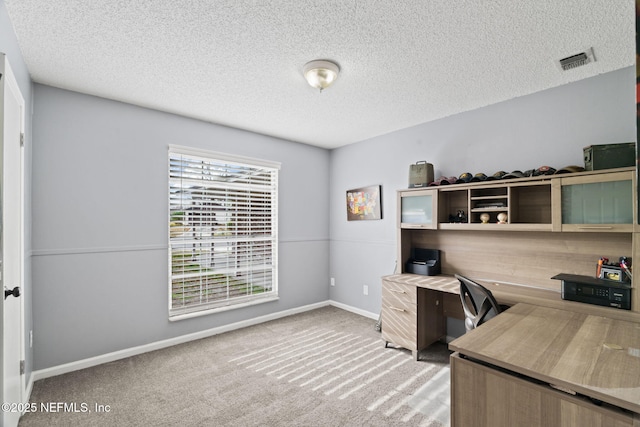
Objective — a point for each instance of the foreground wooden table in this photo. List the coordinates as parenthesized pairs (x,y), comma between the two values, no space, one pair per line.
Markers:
(536,365)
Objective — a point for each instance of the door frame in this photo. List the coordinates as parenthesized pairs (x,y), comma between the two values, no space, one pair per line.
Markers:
(11,84)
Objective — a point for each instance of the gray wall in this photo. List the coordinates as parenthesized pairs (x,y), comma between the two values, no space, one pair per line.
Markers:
(100,223)
(546,128)
(9,46)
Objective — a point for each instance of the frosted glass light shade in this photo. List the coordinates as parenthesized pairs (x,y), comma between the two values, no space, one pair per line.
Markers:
(321,74)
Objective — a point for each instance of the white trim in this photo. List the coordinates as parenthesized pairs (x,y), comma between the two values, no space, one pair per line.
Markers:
(259,299)
(355,310)
(249,161)
(10,84)
(27,394)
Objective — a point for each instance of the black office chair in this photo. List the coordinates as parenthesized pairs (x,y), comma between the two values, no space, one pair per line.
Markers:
(478,303)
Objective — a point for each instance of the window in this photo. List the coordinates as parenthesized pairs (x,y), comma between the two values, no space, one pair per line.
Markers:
(222,231)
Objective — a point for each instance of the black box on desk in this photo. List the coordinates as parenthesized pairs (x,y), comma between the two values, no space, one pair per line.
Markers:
(591,290)
(609,156)
(423,261)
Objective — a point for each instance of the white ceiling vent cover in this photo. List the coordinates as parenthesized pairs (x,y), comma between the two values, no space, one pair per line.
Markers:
(578,60)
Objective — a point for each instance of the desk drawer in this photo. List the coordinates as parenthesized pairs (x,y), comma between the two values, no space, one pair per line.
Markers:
(399,325)
(399,293)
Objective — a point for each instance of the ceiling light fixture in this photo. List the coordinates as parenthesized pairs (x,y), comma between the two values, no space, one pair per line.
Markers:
(320,73)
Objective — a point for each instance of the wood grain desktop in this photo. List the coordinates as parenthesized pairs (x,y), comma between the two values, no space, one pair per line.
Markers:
(580,353)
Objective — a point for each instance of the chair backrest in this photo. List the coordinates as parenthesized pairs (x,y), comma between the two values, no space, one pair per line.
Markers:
(478,303)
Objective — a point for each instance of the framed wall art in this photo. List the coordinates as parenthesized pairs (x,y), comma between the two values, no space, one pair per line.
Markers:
(364,203)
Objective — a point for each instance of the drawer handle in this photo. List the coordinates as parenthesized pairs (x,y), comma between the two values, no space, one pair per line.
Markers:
(397,309)
(397,291)
(595,227)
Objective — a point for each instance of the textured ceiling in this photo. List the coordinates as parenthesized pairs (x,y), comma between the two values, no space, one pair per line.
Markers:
(239,62)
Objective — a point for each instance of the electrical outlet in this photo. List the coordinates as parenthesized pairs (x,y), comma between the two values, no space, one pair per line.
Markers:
(333,281)
(365,289)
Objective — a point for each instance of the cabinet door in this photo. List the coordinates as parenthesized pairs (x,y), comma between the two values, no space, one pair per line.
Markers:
(598,203)
(417,209)
(486,397)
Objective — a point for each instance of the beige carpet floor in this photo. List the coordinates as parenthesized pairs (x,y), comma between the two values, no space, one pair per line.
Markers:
(326,367)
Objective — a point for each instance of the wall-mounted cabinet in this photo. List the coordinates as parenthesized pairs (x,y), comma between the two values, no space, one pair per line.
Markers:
(596,203)
(587,201)
(417,208)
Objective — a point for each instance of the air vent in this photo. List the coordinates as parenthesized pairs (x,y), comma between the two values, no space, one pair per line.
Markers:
(578,60)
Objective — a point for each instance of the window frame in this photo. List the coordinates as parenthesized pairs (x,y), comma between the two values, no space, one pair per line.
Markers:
(269,240)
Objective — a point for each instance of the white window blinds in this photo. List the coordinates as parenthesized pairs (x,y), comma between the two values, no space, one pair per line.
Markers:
(222,230)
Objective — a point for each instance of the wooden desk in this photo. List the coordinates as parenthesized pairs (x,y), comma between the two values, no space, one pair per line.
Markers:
(505,293)
(415,307)
(503,370)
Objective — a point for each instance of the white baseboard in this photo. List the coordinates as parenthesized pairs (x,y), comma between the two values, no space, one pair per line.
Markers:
(133,351)
(355,310)
(27,393)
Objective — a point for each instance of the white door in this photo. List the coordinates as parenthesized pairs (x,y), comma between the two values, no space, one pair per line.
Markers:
(11,253)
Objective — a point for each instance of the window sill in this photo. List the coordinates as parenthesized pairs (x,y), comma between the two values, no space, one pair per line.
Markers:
(205,312)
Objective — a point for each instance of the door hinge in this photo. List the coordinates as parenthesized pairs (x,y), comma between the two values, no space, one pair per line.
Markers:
(22,140)
(22,367)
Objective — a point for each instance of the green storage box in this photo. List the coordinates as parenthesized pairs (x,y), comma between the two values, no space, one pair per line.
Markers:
(609,156)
